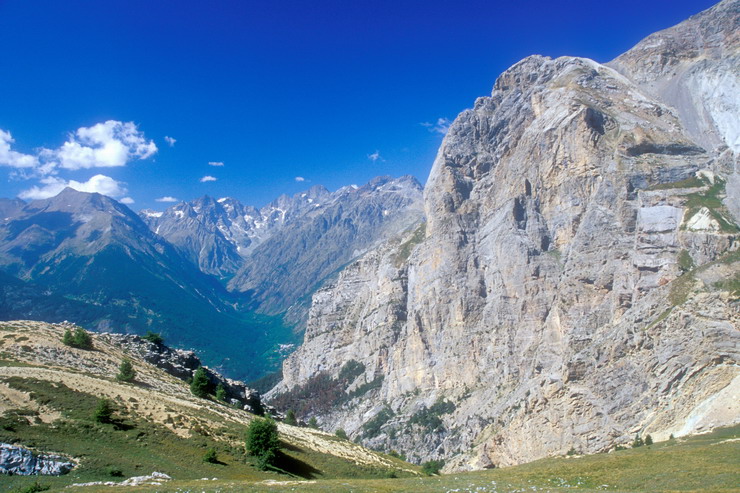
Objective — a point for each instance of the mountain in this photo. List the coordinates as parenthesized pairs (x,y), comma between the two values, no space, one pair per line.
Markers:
(217,235)
(87,250)
(577,278)
(312,246)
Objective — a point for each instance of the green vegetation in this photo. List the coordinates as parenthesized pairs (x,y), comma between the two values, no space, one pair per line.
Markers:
(430,418)
(126,372)
(312,423)
(211,456)
(321,392)
(79,339)
(341,434)
(153,337)
(373,427)
(262,442)
(103,412)
(431,467)
(685,262)
(290,418)
(200,384)
(711,198)
(692,182)
(35,487)
(405,249)
(220,393)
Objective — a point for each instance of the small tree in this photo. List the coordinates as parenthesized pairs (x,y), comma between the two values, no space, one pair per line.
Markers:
(290,418)
(79,338)
(199,385)
(153,337)
(341,434)
(103,412)
(210,456)
(432,467)
(221,393)
(126,372)
(312,423)
(637,441)
(648,440)
(68,338)
(262,441)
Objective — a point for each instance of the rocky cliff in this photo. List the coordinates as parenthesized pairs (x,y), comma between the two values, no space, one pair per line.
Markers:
(577,279)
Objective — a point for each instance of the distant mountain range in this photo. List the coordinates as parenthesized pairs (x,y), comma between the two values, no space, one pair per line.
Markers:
(89,259)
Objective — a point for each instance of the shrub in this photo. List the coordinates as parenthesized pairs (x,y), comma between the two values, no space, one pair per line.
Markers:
(199,385)
(312,423)
(115,472)
(648,440)
(153,337)
(432,467)
(210,456)
(262,441)
(126,372)
(341,434)
(34,488)
(103,412)
(78,339)
(290,418)
(220,393)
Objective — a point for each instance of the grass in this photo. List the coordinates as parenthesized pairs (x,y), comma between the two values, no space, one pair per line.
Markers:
(693,182)
(134,446)
(711,199)
(405,249)
(701,463)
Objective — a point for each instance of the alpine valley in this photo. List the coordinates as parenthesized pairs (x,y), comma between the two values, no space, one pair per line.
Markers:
(568,278)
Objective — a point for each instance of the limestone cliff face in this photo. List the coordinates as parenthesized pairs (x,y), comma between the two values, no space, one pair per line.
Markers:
(577,282)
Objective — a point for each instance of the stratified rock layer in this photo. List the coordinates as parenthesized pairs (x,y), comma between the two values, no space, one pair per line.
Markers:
(578,280)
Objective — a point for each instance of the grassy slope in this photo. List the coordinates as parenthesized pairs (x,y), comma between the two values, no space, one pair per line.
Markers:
(159,426)
(702,463)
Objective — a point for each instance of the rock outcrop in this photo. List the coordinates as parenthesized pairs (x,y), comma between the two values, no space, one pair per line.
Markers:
(25,462)
(577,282)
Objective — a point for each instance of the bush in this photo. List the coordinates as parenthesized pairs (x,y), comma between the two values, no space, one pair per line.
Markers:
(126,372)
(210,456)
(34,487)
(153,337)
(432,467)
(115,472)
(79,339)
(290,418)
(648,440)
(341,434)
(199,385)
(103,412)
(262,441)
(312,423)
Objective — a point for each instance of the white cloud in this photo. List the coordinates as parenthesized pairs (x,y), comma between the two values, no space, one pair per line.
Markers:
(375,156)
(127,200)
(441,127)
(215,163)
(170,141)
(208,178)
(108,144)
(299,179)
(12,158)
(52,185)
(166,199)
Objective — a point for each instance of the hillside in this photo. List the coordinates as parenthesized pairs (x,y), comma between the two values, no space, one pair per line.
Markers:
(48,392)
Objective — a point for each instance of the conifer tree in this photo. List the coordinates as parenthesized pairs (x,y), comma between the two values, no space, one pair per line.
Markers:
(199,385)
(126,372)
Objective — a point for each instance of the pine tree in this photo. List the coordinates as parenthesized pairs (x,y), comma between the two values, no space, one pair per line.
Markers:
(103,412)
(312,423)
(262,441)
(290,418)
(220,393)
(648,440)
(199,385)
(126,372)
(67,339)
(81,339)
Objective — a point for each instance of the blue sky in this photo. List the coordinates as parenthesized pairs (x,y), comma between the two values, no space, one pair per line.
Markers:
(334,92)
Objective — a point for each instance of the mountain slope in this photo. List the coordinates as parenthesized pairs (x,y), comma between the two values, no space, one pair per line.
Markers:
(304,252)
(91,250)
(48,392)
(578,278)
